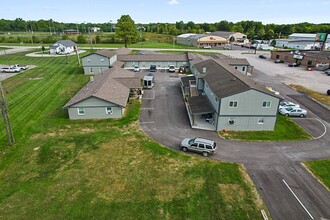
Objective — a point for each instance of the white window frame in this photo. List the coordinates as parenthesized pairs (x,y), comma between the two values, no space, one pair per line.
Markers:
(233,101)
(108,110)
(81,111)
(261,121)
(231,119)
(102,59)
(88,59)
(267,102)
(243,68)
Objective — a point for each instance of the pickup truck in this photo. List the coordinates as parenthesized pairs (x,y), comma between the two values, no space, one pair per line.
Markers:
(19,67)
(9,70)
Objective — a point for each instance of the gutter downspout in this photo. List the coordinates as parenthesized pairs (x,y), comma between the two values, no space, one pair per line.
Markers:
(216,127)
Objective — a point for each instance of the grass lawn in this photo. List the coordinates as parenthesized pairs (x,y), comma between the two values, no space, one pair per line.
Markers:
(321,168)
(321,97)
(4,48)
(285,130)
(101,169)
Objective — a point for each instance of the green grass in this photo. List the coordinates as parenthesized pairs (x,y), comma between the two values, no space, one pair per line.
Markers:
(4,48)
(285,130)
(321,168)
(101,169)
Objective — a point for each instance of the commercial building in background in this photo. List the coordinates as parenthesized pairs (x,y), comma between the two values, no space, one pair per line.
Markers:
(214,39)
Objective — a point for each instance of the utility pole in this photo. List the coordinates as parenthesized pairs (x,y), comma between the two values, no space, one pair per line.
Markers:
(77,53)
(6,119)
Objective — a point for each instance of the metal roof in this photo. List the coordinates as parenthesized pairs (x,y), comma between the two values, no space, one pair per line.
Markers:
(67,43)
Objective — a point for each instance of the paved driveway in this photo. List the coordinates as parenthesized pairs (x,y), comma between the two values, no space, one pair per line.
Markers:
(274,166)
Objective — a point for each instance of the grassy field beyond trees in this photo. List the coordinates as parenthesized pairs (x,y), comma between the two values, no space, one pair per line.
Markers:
(102,169)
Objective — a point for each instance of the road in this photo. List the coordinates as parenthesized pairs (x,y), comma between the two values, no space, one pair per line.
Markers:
(268,163)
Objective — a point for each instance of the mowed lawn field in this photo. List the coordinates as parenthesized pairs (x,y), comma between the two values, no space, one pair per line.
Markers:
(102,169)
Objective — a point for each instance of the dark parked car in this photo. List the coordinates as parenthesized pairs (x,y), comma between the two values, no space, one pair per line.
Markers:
(327,72)
(153,68)
(278,61)
(328,92)
(293,64)
(182,69)
(262,56)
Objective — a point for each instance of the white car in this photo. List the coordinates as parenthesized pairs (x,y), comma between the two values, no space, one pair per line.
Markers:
(20,67)
(171,68)
(10,70)
(292,111)
(287,105)
(136,69)
(207,47)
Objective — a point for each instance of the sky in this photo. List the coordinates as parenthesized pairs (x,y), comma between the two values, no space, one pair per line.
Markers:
(169,11)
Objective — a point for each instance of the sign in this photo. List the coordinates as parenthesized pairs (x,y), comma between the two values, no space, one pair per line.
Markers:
(298,56)
(320,36)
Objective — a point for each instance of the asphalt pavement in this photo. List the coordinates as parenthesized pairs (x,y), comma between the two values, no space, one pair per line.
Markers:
(274,166)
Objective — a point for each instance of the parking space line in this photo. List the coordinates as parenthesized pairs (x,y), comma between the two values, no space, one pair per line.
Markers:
(325,129)
(298,199)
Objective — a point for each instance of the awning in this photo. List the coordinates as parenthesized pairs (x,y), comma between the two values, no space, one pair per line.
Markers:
(200,105)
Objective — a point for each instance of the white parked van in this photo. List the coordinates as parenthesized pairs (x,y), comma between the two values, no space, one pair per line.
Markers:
(148,82)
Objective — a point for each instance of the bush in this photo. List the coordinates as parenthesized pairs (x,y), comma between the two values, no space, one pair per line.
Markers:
(81,39)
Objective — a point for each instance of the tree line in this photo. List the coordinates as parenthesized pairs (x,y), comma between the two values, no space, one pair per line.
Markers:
(253,29)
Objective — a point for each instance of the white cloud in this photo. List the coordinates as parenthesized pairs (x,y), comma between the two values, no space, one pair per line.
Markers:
(173,2)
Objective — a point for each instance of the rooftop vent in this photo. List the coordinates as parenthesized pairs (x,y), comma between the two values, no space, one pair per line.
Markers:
(204,69)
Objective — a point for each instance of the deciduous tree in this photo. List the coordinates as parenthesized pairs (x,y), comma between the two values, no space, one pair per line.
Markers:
(126,30)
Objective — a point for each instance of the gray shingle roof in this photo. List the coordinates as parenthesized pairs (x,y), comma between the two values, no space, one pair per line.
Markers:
(67,43)
(123,50)
(224,34)
(200,105)
(153,57)
(106,86)
(106,53)
(225,81)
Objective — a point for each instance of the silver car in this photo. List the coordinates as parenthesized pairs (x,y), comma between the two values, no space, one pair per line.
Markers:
(199,145)
(291,111)
(287,105)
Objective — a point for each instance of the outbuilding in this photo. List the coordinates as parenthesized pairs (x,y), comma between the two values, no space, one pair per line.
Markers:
(63,47)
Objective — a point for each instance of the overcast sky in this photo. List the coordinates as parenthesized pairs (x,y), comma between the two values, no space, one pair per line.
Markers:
(152,11)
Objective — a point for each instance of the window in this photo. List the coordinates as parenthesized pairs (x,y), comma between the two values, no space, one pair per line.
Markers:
(208,147)
(201,146)
(91,70)
(88,59)
(81,111)
(231,121)
(108,111)
(101,69)
(243,68)
(102,60)
(277,57)
(261,121)
(194,145)
(266,104)
(233,104)
(236,67)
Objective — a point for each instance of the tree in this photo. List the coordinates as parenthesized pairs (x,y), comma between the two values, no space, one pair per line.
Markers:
(126,30)
(81,39)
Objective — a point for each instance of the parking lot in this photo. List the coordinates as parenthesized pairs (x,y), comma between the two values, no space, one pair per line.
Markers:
(314,80)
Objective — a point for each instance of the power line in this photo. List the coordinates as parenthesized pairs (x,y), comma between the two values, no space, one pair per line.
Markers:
(6,119)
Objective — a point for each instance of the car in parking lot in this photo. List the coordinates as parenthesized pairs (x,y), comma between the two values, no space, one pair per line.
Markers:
(278,61)
(293,64)
(20,67)
(293,111)
(171,68)
(153,68)
(284,104)
(327,72)
(136,69)
(182,69)
(262,56)
(207,47)
(200,145)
